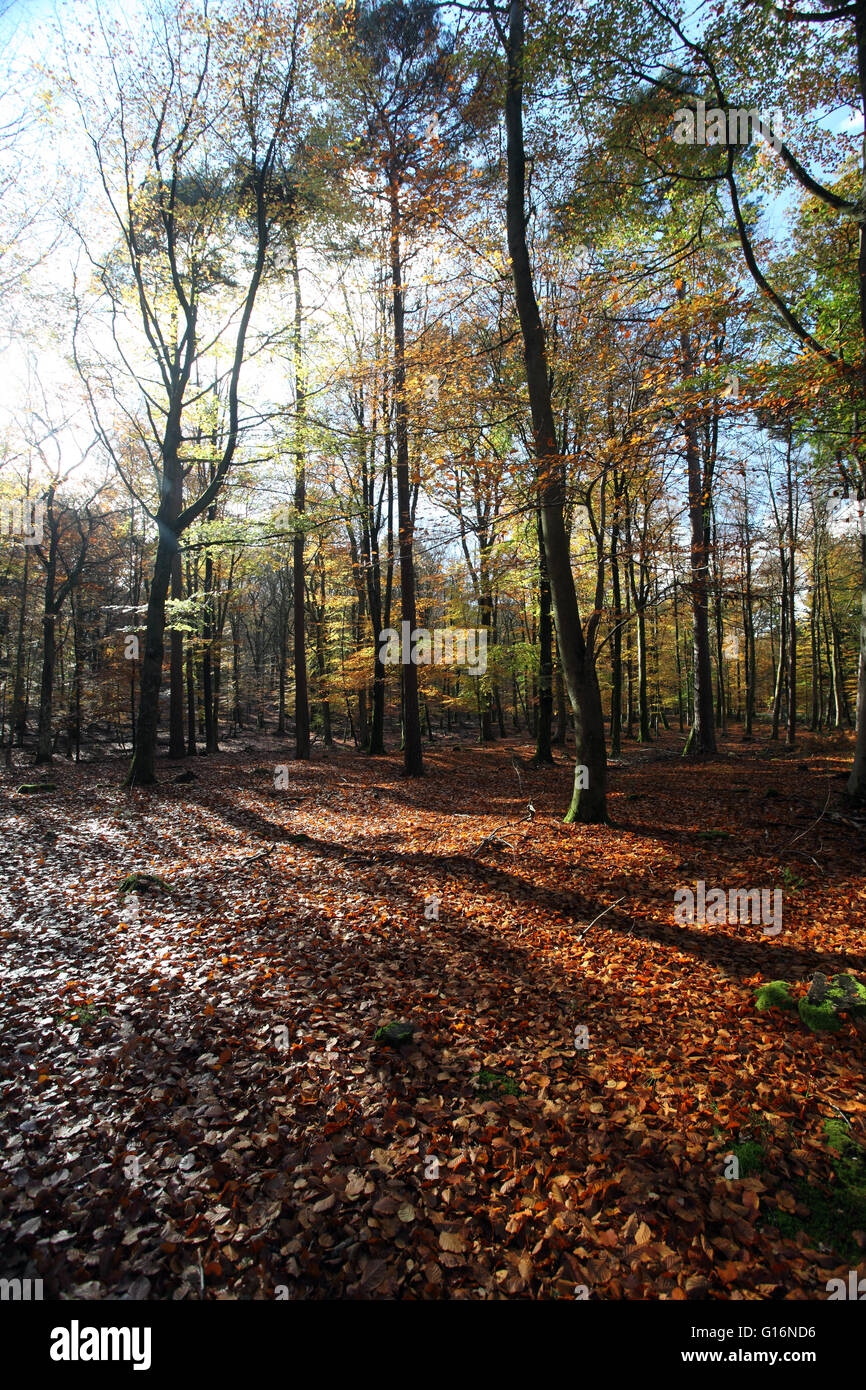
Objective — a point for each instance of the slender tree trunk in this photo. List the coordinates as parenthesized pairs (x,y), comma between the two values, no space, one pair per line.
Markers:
(589,803)
(49,648)
(644,735)
(210,734)
(679,659)
(18,714)
(46,692)
(748,628)
(282,646)
(302,698)
(629,667)
(792,598)
(615,648)
(703,735)
(413,764)
(817,686)
(143,769)
(176,746)
(856,786)
(190,700)
(780,668)
(543,752)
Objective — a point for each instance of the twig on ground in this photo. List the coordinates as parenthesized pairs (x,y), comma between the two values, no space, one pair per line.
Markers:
(814,822)
(250,859)
(581,934)
(530,812)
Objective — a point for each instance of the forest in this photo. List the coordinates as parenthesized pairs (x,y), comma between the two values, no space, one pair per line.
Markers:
(432,652)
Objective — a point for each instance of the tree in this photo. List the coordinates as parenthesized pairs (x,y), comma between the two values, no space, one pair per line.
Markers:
(589,803)
(186,156)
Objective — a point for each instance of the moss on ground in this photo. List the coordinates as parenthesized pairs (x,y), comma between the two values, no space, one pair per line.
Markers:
(837,1210)
(491,1084)
(774,995)
(750,1155)
(142,883)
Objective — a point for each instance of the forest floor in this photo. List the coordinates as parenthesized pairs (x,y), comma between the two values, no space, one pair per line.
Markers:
(194,1103)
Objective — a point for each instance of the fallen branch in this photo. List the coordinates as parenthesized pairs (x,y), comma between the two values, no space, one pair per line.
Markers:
(814,822)
(250,859)
(582,934)
(530,812)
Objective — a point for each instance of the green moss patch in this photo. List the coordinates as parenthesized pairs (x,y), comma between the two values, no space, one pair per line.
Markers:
(491,1084)
(143,883)
(823,1006)
(821,1018)
(750,1155)
(775,995)
(834,1211)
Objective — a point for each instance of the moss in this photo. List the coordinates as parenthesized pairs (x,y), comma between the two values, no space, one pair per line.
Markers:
(141,883)
(750,1155)
(838,1136)
(775,995)
(840,994)
(821,1018)
(836,1210)
(490,1084)
(395,1034)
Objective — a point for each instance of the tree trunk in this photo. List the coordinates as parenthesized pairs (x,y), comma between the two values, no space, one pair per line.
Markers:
(413,765)
(615,648)
(302,697)
(142,771)
(780,667)
(792,595)
(543,752)
(589,803)
(856,785)
(176,746)
(18,713)
(703,740)
(748,628)
(49,651)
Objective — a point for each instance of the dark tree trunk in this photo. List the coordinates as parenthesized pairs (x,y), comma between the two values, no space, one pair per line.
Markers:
(791,733)
(543,752)
(783,645)
(143,769)
(615,648)
(49,650)
(748,628)
(176,746)
(18,713)
(702,739)
(413,764)
(589,803)
(302,698)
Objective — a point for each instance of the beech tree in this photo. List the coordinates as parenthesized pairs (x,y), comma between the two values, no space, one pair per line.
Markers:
(589,802)
(185,149)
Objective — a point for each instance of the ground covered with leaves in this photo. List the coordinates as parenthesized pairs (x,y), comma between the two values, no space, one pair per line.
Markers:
(195,1102)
